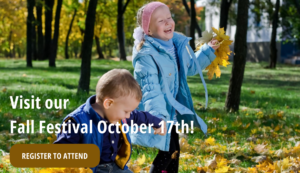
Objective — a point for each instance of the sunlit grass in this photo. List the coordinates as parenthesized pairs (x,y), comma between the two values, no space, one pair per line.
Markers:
(265,93)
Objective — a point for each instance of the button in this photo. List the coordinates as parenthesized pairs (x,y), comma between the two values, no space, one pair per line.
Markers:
(112,142)
(54,155)
(170,74)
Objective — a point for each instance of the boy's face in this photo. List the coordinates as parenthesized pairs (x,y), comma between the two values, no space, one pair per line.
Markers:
(161,24)
(119,108)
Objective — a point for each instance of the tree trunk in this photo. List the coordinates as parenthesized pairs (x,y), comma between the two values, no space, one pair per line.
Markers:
(193,24)
(82,33)
(75,53)
(48,28)
(40,36)
(273,49)
(30,5)
(239,60)
(68,34)
(19,52)
(14,51)
(188,11)
(56,35)
(86,52)
(225,5)
(120,29)
(34,51)
(10,43)
(99,50)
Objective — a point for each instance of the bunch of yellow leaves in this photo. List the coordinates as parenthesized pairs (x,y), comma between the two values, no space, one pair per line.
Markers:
(221,53)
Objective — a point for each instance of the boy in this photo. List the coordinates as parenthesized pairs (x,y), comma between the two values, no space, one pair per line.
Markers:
(117,96)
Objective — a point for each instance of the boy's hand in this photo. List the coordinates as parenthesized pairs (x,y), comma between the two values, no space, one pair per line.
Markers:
(214,44)
(162,130)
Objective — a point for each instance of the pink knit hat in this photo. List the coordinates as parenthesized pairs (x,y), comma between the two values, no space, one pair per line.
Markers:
(147,12)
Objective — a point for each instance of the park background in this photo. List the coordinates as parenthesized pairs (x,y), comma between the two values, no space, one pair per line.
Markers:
(58,49)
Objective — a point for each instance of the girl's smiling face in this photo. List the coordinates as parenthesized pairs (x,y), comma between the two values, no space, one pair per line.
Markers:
(161,24)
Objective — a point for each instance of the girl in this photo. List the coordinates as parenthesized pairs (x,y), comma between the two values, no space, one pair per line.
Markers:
(162,60)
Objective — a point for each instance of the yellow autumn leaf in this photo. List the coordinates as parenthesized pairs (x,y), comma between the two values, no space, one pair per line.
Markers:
(221,53)
(201,169)
(52,138)
(220,34)
(141,160)
(252,170)
(6,159)
(184,145)
(246,126)
(277,128)
(135,168)
(4,89)
(221,162)
(224,128)
(222,169)
(285,163)
(210,141)
(59,113)
(83,170)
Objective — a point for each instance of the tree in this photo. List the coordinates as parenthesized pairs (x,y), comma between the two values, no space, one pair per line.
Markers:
(120,29)
(86,52)
(291,23)
(34,45)
(55,36)
(13,15)
(30,5)
(193,25)
(40,36)
(239,60)
(48,28)
(68,34)
(72,15)
(224,12)
(99,49)
(297,5)
(273,49)
(188,11)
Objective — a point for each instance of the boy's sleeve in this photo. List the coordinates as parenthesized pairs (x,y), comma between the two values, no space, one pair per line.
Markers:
(153,98)
(68,138)
(204,57)
(141,117)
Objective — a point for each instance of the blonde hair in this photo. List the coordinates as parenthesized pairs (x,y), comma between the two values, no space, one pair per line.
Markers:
(139,23)
(117,83)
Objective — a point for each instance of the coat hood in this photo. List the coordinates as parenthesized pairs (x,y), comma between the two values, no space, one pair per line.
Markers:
(150,43)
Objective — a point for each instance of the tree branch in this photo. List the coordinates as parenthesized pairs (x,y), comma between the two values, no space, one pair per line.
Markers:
(124,8)
(297,5)
(186,7)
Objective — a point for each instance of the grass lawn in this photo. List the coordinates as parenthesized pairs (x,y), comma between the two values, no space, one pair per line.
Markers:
(268,120)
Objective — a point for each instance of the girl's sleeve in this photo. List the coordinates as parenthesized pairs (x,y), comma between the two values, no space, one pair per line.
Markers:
(204,57)
(153,98)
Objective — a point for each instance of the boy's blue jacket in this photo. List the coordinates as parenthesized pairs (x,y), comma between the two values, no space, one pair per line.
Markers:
(84,114)
(154,69)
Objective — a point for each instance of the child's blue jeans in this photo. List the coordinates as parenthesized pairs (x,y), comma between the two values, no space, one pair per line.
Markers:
(110,168)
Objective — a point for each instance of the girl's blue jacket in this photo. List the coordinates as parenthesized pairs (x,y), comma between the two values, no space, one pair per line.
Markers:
(159,77)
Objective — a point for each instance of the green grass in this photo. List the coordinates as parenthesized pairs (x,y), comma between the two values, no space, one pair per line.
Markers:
(265,90)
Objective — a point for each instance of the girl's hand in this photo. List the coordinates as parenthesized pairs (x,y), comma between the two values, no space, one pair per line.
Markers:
(161,131)
(214,44)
